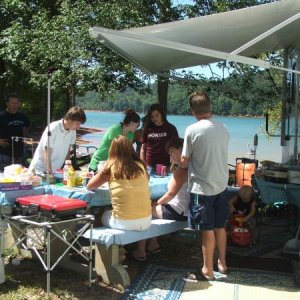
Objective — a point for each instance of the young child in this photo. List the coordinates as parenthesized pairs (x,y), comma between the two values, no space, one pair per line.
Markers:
(243,205)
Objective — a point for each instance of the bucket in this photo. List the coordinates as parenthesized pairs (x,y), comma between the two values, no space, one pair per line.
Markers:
(244,172)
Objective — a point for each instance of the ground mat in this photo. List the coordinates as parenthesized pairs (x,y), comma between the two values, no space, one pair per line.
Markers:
(159,282)
(259,263)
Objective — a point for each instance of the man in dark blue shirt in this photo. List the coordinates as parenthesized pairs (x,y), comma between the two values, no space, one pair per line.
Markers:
(13,123)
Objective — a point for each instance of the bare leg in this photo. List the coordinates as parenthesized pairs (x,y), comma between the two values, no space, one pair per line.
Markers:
(208,246)
(221,242)
(157,212)
(140,252)
(153,244)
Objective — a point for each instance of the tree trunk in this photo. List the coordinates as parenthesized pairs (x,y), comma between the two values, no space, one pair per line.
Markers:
(162,92)
(71,98)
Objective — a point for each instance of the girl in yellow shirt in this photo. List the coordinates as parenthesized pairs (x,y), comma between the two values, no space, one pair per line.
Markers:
(128,179)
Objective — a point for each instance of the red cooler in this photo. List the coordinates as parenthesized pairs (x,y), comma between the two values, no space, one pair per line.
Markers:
(50,205)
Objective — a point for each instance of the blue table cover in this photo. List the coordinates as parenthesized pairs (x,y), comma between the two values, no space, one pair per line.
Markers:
(100,197)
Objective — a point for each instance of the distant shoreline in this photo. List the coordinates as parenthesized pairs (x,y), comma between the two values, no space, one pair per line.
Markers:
(230,116)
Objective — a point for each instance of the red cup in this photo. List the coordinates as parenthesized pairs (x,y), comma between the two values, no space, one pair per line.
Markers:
(158,169)
(163,171)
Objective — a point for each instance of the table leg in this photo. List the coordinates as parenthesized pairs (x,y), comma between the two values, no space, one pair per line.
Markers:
(108,266)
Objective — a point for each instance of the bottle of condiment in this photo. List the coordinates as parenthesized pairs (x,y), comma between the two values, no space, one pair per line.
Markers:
(71,177)
(67,171)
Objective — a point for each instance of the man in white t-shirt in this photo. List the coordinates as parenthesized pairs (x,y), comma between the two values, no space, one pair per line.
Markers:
(205,154)
(62,136)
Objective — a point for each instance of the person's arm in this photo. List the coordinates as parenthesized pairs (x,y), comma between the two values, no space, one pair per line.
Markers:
(99,179)
(68,156)
(143,152)
(252,212)
(26,131)
(179,177)
(232,202)
(26,127)
(179,160)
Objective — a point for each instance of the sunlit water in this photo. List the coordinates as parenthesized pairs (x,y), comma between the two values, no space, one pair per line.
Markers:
(241,131)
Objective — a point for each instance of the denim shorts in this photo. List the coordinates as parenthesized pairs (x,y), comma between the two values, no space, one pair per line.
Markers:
(207,212)
(169,213)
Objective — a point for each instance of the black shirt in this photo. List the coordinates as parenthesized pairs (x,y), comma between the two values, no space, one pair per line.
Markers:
(242,207)
(13,125)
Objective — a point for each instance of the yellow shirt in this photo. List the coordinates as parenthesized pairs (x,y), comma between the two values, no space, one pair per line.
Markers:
(130,198)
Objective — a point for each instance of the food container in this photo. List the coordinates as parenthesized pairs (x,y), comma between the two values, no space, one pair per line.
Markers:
(59,175)
(14,186)
(12,170)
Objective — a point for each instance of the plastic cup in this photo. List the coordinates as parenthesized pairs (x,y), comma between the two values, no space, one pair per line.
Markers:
(164,171)
(158,169)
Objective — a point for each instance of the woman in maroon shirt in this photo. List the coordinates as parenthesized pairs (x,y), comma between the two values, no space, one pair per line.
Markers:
(157,131)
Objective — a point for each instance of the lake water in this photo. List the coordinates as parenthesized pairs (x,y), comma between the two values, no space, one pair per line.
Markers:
(241,131)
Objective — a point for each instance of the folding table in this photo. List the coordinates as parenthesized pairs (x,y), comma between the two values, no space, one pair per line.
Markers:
(51,240)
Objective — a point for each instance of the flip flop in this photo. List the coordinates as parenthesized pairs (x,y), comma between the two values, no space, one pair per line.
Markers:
(154,251)
(224,272)
(198,276)
(132,256)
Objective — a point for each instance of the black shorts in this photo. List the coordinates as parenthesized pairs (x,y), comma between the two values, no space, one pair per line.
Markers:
(170,213)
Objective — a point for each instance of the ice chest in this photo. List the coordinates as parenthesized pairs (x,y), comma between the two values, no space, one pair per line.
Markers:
(50,205)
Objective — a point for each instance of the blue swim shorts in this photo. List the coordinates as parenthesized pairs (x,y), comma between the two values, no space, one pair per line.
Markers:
(169,213)
(207,212)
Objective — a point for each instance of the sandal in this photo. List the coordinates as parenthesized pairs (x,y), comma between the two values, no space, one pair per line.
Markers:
(198,276)
(154,251)
(141,258)
(223,271)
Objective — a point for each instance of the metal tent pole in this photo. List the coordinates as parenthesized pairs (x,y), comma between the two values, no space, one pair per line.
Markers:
(48,128)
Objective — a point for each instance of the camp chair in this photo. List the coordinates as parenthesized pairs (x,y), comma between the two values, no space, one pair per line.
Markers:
(78,161)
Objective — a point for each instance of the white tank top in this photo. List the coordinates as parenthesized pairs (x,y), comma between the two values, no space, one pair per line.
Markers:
(180,203)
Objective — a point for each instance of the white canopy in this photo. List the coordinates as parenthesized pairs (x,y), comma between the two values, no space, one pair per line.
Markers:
(234,36)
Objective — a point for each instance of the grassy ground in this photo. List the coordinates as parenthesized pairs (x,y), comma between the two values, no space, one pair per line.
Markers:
(28,280)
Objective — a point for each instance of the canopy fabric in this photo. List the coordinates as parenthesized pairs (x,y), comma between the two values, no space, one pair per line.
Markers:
(234,35)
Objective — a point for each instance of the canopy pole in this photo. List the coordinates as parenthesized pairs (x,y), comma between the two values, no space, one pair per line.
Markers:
(48,128)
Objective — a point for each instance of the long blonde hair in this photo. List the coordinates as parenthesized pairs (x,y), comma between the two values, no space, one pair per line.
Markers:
(123,162)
